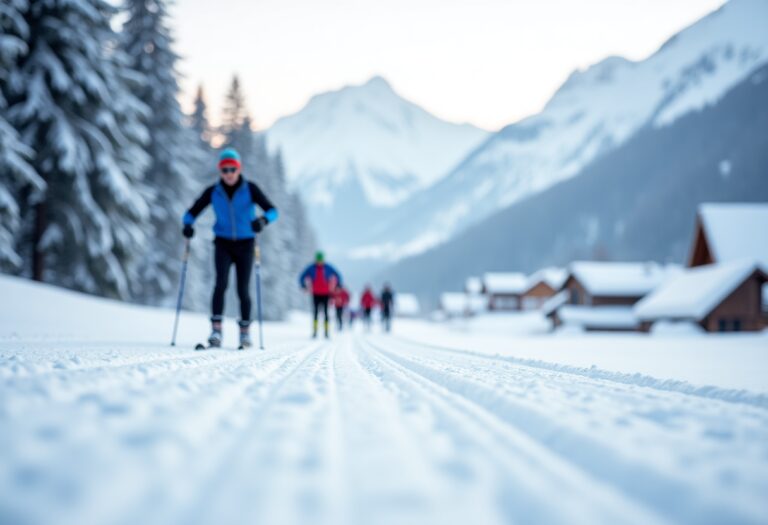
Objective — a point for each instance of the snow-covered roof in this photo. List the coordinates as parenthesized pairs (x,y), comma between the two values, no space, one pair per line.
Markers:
(694,293)
(453,302)
(599,317)
(619,279)
(736,231)
(554,302)
(406,304)
(512,283)
(473,285)
(554,277)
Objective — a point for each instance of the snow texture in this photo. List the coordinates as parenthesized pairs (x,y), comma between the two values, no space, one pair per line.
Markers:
(103,423)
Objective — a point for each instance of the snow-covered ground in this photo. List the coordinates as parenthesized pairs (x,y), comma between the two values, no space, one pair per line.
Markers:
(102,422)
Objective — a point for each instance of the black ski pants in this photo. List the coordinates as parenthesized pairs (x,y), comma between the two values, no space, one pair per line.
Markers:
(320,301)
(227,252)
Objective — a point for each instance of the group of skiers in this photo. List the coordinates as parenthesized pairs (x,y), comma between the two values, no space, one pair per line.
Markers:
(234,200)
(324,282)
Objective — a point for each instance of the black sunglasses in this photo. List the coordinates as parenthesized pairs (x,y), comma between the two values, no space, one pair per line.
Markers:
(227,171)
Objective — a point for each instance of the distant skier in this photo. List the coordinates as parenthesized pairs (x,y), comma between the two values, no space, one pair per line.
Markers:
(340,302)
(321,280)
(367,302)
(234,201)
(387,300)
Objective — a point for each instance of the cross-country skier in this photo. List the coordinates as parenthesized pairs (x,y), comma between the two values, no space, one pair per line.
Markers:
(387,300)
(234,201)
(321,279)
(367,302)
(340,302)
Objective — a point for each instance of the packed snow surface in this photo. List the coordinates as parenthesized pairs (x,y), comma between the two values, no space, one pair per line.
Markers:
(102,422)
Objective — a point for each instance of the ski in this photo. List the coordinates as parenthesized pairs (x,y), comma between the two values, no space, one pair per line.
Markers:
(202,346)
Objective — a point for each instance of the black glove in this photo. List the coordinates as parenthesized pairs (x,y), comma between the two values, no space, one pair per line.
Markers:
(259,224)
(188,231)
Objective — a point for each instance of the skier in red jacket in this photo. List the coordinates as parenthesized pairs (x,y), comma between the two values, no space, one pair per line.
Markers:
(367,302)
(321,279)
(340,302)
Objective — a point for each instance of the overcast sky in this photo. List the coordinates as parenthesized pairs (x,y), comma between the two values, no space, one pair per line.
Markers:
(488,62)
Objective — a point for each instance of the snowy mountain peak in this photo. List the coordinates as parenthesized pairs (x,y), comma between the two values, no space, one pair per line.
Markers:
(595,111)
(368,135)
(378,82)
(601,72)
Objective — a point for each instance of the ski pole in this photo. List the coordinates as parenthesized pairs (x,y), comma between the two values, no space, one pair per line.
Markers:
(257,259)
(185,259)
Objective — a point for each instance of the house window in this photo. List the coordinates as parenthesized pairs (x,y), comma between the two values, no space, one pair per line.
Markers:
(737,325)
(574,296)
(764,297)
(722,325)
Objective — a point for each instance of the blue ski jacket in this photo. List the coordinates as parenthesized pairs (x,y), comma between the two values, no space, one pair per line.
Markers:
(235,209)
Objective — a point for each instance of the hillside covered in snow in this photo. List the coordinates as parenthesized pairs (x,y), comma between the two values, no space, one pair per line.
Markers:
(637,202)
(593,113)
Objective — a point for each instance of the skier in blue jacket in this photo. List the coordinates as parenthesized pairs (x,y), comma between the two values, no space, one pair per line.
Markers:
(234,201)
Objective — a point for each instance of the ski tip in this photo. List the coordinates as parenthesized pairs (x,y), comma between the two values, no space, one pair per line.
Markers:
(199,346)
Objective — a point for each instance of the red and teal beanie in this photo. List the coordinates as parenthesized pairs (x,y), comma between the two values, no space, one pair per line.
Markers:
(229,157)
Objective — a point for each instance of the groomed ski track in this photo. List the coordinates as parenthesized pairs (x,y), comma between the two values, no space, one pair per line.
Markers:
(364,428)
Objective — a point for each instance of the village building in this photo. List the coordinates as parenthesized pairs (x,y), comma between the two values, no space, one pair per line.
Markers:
(601,295)
(727,232)
(727,297)
(724,289)
(542,286)
(504,290)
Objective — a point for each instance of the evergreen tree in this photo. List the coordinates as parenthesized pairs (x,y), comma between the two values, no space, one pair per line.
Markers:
(70,101)
(199,119)
(148,43)
(235,111)
(15,169)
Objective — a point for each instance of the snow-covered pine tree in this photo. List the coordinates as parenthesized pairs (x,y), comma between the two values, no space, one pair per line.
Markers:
(199,119)
(16,172)
(148,44)
(69,99)
(234,111)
